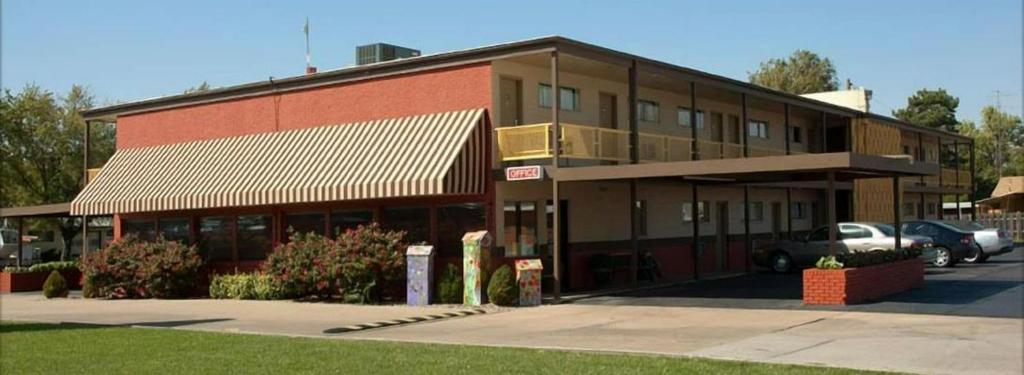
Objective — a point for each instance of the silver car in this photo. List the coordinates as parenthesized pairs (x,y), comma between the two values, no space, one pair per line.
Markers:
(784,256)
(989,241)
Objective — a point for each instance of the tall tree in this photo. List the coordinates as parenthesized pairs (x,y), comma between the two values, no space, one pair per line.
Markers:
(803,72)
(998,144)
(41,138)
(931,108)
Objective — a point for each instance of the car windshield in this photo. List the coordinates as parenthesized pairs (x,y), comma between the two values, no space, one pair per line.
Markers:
(968,226)
(886,229)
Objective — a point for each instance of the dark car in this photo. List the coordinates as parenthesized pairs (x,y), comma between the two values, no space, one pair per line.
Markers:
(952,244)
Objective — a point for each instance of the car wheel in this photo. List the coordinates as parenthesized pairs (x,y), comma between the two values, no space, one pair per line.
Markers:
(975,256)
(943,257)
(781,262)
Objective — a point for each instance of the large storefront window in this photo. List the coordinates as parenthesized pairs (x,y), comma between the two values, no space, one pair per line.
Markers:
(308,222)
(454,221)
(215,238)
(255,233)
(143,229)
(520,228)
(342,221)
(176,229)
(415,221)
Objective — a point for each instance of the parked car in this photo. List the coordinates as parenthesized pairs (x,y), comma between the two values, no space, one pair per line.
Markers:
(989,241)
(9,248)
(951,243)
(783,256)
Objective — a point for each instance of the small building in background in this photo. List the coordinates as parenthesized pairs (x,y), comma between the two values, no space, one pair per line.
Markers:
(1008,196)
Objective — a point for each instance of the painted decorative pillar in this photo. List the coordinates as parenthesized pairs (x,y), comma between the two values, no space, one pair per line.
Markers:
(474,260)
(528,273)
(419,262)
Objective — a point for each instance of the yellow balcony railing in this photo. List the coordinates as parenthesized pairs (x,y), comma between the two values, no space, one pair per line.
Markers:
(950,178)
(594,143)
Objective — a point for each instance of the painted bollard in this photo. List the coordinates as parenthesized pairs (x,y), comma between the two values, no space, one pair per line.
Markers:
(474,259)
(528,274)
(419,262)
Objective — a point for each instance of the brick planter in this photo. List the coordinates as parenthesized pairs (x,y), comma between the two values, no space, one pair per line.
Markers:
(31,281)
(856,285)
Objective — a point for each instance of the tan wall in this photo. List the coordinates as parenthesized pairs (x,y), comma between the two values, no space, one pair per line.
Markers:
(599,211)
(873,197)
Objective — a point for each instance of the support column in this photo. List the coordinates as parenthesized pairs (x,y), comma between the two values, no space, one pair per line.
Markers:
(824,132)
(747,245)
(695,215)
(556,244)
(830,209)
(744,127)
(897,219)
(956,177)
(789,213)
(785,122)
(634,184)
(21,232)
(85,236)
(973,186)
(634,238)
(695,145)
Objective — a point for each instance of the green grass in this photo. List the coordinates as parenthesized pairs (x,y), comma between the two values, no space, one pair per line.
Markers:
(36,348)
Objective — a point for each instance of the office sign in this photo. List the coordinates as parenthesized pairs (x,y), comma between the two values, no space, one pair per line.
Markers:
(531,172)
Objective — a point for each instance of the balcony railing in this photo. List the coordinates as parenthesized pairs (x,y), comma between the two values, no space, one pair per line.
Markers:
(948,179)
(527,142)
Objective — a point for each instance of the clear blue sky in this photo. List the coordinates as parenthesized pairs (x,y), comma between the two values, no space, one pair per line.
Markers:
(129,50)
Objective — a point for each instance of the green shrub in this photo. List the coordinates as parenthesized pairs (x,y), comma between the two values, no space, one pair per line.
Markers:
(16,269)
(828,263)
(503,289)
(88,291)
(55,286)
(449,287)
(54,266)
(245,286)
(866,258)
(130,268)
(366,264)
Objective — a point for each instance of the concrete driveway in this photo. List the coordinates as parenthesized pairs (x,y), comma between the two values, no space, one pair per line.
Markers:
(991,289)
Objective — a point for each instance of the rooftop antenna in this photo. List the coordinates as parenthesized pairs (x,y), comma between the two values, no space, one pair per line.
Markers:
(305,30)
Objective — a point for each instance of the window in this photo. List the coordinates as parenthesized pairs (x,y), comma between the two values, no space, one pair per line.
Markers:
(414,221)
(255,233)
(520,228)
(757,129)
(702,211)
(648,111)
(799,210)
(683,117)
(847,231)
(342,221)
(908,209)
(569,99)
(641,212)
(454,221)
(176,229)
(215,234)
(796,134)
(143,229)
(756,211)
(305,223)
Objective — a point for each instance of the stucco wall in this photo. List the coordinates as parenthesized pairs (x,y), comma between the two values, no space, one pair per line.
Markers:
(411,94)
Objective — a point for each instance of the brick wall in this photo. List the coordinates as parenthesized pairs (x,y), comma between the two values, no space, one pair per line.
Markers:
(856,285)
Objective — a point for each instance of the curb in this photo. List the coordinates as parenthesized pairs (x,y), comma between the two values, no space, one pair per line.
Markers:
(404,321)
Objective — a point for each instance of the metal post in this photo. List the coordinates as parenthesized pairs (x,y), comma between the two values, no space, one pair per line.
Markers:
(556,102)
(974,187)
(634,158)
(824,132)
(744,126)
(556,146)
(21,233)
(897,219)
(695,146)
(789,212)
(830,208)
(85,235)
(920,152)
(634,239)
(747,245)
(695,215)
(634,130)
(956,177)
(85,145)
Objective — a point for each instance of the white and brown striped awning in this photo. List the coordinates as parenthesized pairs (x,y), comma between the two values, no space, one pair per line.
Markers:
(435,154)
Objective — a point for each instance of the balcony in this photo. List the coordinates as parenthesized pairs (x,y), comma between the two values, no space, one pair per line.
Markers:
(529,142)
(948,179)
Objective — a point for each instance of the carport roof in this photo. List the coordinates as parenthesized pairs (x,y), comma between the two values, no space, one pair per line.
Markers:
(44,210)
(847,166)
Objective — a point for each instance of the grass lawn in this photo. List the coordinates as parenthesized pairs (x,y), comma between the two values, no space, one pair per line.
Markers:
(38,348)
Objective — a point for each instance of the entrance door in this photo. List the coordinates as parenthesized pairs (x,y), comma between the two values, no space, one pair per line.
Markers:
(776,220)
(511,91)
(722,233)
(609,112)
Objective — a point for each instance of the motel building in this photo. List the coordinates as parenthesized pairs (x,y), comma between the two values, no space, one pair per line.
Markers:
(612,169)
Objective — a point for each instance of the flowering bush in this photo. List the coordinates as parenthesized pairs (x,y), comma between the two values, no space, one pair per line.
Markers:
(244,286)
(365,264)
(129,268)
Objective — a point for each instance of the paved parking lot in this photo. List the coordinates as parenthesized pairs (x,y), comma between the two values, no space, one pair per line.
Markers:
(991,289)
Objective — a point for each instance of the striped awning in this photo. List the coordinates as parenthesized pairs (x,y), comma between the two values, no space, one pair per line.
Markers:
(435,154)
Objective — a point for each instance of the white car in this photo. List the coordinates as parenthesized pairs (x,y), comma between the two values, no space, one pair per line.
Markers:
(990,241)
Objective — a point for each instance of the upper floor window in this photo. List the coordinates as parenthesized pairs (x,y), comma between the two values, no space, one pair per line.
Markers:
(648,111)
(796,134)
(757,129)
(683,117)
(568,101)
